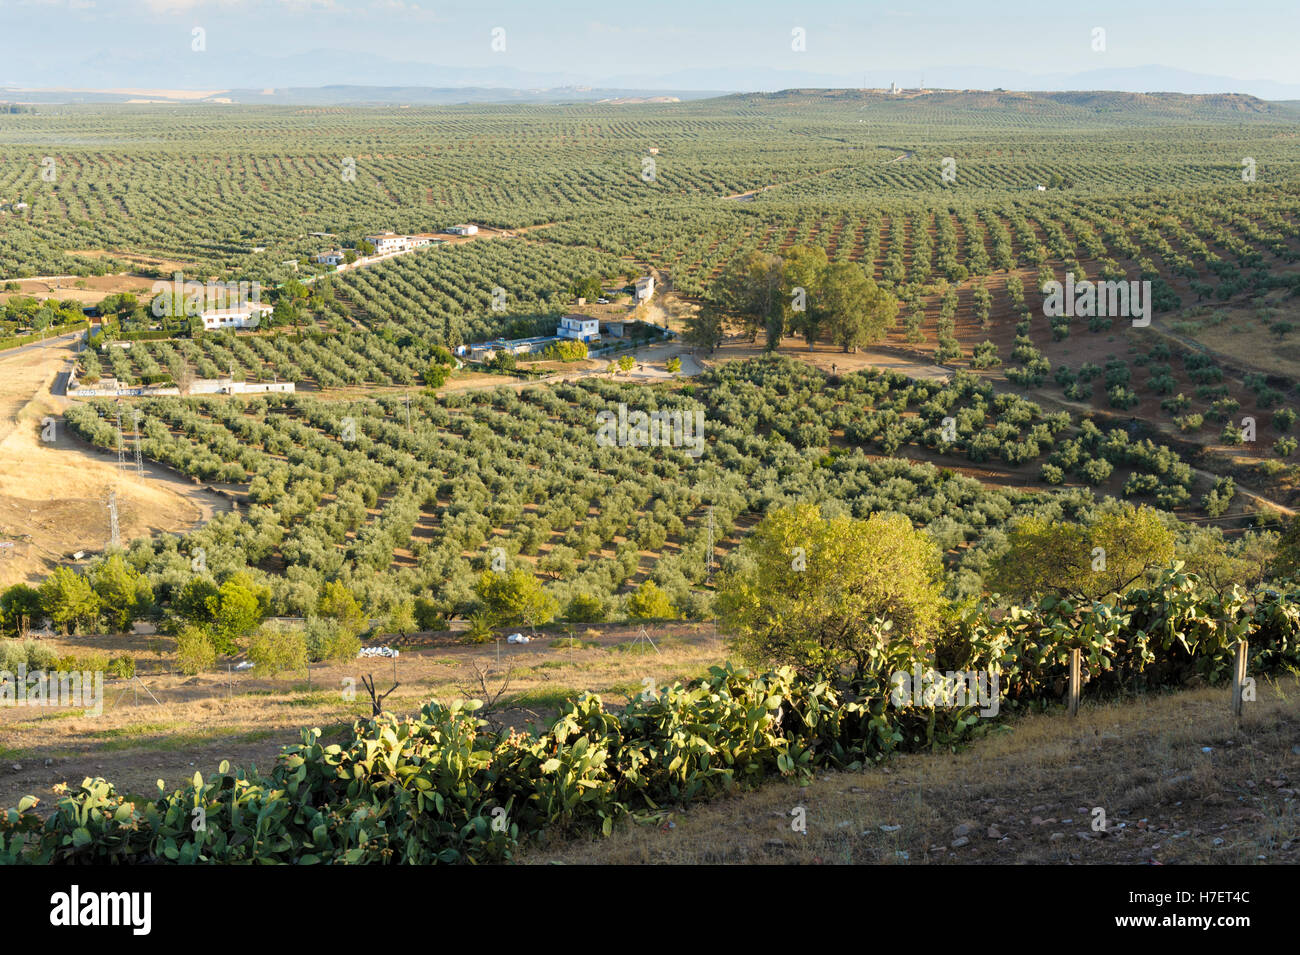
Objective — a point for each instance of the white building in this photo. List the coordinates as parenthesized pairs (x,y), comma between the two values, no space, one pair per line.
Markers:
(386,243)
(332,257)
(644,288)
(462,230)
(249,316)
(579,327)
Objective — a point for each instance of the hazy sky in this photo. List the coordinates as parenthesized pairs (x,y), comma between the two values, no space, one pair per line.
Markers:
(592,41)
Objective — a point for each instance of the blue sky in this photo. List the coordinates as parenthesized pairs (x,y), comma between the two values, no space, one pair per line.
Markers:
(130,42)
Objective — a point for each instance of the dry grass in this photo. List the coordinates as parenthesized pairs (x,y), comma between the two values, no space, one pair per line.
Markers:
(52,493)
(199,721)
(1026,792)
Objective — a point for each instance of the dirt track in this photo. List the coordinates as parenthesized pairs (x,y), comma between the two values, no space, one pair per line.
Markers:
(52,492)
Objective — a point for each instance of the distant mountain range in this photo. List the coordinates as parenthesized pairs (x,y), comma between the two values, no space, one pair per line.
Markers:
(318,78)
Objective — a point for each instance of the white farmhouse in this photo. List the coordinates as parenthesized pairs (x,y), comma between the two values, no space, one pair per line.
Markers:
(386,243)
(462,230)
(248,316)
(644,288)
(580,327)
(332,257)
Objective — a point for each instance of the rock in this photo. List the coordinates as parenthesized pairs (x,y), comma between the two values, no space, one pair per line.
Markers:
(1218,842)
(18,767)
(994,833)
(890,828)
(1296,749)
(958,843)
(1039,809)
(49,762)
(1056,837)
(962,830)
(1084,835)
(1037,821)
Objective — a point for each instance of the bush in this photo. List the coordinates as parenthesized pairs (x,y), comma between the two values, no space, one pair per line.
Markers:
(28,653)
(326,639)
(585,608)
(429,615)
(195,651)
(565,351)
(278,647)
(122,666)
(648,602)
(1096,470)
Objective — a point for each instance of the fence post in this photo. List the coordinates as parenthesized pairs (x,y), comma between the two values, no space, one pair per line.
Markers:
(1238,677)
(1075,660)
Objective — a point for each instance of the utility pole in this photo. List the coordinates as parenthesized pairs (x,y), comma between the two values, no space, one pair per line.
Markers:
(139,462)
(114,537)
(121,449)
(710,573)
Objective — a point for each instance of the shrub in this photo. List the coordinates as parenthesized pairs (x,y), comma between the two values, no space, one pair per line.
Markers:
(1219,497)
(195,651)
(277,647)
(28,653)
(122,666)
(1121,397)
(585,608)
(1095,470)
(325,638)
(648,602)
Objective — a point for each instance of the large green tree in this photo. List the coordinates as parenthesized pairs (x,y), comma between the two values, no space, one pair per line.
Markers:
(68,599)
(856,310)
(516,596)
(831,595)
(124,593)
(1089,560)
(237,609)
(20,607)
(803,273)
(751,291)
